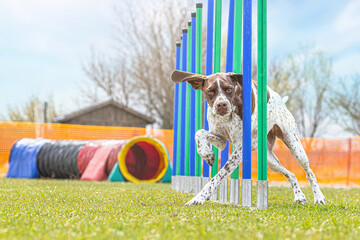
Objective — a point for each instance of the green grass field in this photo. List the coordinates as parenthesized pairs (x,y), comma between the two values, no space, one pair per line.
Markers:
(56,209)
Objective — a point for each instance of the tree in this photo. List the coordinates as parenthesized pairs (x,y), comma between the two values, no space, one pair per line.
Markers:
(307,79)
(112,80)
(33,111)
(346,104)
(145,37)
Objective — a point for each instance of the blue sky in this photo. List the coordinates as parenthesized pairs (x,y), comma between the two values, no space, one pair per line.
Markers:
(43,43)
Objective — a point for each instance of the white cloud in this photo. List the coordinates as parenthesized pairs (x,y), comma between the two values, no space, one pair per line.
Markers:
(349,18)
(346,28)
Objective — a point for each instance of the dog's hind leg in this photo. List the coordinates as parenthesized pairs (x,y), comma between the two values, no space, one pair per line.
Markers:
(292,140)
(275,165)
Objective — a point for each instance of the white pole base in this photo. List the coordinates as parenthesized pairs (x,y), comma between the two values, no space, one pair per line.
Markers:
(204,181)
(198,184)
(214,196)
(181,183)
(262,194)
(234,191)
(189,184)
(246,192)
(192,184)
(223,191)
(173,182)
(177,183)
(186,182)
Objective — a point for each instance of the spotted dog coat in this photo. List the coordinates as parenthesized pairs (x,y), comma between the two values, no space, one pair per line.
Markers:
(223,93)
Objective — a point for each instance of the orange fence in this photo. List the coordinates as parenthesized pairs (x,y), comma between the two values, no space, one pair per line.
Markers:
(334,162)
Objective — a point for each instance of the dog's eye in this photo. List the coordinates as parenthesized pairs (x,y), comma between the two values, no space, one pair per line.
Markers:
(229,90)
(210,91)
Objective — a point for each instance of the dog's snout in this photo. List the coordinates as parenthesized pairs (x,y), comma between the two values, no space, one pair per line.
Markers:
(222,107)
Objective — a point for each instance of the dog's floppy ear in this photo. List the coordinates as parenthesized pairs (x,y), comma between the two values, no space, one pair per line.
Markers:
(236,77)
(196,80)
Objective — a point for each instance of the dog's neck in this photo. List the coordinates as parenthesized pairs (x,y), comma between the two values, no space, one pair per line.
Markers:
(226,118)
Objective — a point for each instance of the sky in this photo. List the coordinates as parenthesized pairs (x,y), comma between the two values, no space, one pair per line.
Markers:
(43,44)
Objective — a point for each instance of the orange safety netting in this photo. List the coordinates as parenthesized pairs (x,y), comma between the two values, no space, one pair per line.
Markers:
(334,162)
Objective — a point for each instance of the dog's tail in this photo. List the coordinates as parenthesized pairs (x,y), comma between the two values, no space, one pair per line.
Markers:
(285,99)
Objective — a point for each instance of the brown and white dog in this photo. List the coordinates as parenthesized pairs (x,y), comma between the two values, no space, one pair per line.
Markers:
(223,93)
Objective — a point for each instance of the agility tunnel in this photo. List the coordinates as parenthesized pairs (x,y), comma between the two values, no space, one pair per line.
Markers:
(140,159)
(59,159)
(22,159)
(143,159)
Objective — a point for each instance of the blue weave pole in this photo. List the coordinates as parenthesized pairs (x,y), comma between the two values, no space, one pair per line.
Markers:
(230,39)
(183,105)
(229,65)
(176,110)
(193,107)
(247,91)
(208,66)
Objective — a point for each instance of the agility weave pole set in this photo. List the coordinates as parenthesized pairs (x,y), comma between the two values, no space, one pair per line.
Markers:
(190,174)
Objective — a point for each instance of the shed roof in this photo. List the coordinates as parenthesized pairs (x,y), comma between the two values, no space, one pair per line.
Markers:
(67,117)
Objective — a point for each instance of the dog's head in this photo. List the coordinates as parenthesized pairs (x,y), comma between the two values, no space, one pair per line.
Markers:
(223,91)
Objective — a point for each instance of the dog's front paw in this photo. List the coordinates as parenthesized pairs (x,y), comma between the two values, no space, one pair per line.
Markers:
(207,155)
(195,201)
(321,200)
(299,198)
(300,201)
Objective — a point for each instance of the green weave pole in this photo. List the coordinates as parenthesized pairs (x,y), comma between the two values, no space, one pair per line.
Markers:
(198,94)
(237,53)
(217,65)
(179,121)
(188,107)
(262,93)
(237,36)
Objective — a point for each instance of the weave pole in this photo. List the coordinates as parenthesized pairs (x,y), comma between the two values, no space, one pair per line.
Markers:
(234,181)
(217,65)
(262,184)
(193,106)
(175,121)
(223,190)
(208,71)
(183,111)
(246,189)
(188,119)
(236,68)
(199,102)
(178,147)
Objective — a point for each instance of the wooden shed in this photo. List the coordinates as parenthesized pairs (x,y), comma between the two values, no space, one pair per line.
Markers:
(109,113)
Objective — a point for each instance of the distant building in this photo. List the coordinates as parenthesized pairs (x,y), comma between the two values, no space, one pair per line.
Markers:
(109,113)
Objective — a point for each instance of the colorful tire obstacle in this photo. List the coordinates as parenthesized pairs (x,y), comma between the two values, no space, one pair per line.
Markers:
(140,159)
(189,172)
